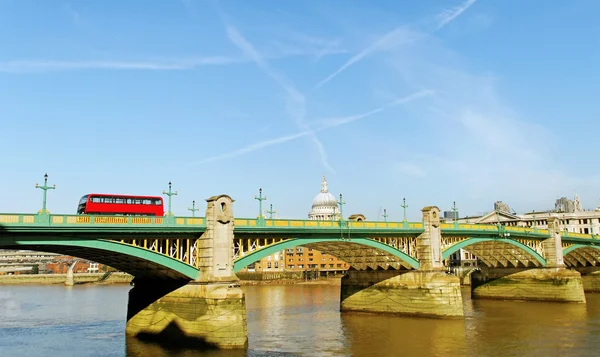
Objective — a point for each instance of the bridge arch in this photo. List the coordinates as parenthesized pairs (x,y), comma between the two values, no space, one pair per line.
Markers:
(296,242)
(582,254)
(134,260)
(471,241)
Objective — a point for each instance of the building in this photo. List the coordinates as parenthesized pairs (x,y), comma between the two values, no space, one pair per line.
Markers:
(324,205)
(573,218)
(307,261)
(32,262)
(450,216)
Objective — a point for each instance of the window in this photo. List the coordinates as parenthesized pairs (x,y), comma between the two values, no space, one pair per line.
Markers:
(300,266)
(322,265)
(276,265)
(268,265)
(291,266)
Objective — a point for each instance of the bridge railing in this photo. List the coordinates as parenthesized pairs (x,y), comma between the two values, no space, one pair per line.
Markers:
(79,220)
(318,224)
(491,227)
(24,219)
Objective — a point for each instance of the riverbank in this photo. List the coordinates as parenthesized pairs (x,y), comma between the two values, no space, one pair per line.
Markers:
(320,281)
(124,278)
(80,278)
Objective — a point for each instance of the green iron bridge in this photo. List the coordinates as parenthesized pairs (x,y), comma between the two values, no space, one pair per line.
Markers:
(167,247)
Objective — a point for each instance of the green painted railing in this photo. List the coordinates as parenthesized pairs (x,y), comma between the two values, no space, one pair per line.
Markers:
(248,224)
(96,220)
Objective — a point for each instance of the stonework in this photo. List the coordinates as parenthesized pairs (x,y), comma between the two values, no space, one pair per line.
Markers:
(591,282)
(430,241)
(212,316)
(417,293)
(541,284)
(209,312)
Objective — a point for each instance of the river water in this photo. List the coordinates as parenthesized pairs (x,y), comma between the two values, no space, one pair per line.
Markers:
(297,320)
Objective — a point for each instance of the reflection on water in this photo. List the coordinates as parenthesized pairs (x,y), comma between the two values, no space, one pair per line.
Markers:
(298,320)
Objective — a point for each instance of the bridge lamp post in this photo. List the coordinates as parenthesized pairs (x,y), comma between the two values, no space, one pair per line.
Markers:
(270,212)
(404,206)
(194,209)
(385,215)
(341,203)
(260,198)
(455,210)
(170,193)
(45,188)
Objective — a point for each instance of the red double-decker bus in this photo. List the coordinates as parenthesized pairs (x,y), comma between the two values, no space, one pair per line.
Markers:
(126,205)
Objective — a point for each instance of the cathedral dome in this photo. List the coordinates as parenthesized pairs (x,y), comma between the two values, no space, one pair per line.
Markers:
(324,205)
(324,199)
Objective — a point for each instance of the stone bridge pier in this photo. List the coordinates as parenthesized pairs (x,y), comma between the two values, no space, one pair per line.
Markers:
(428,291)
(552,282)
(209,312)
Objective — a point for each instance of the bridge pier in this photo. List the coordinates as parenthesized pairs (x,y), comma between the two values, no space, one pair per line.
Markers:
(428,292)
(550,283)
(590,277)
(209,312)
(70,279)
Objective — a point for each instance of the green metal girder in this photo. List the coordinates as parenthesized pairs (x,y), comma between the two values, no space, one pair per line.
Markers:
(115,247)
(450,250)
(577,246)
(295,242)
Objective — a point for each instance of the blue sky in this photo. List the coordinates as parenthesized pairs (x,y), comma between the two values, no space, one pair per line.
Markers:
(436,101)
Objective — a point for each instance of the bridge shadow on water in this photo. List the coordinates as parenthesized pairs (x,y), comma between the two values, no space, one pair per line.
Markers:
(172,339)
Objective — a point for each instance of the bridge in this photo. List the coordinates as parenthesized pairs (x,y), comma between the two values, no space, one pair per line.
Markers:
(184,267)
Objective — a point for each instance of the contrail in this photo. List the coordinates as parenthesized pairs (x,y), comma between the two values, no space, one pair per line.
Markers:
(448,16)
(328,124)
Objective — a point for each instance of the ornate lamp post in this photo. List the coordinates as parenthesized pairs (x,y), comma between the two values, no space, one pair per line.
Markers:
(404,206)
(455,215)
(170,193)
(45,188)
(341,203)
(260,198)
(271,211)
(193,209)
(385,215)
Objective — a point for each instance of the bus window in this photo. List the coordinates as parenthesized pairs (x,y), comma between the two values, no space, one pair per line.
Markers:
(83,199)
(137,202)
(129,201)
(108,200)
(119,201)
(97,199)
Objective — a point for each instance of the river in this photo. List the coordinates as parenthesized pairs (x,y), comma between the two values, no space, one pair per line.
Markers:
(297,320)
